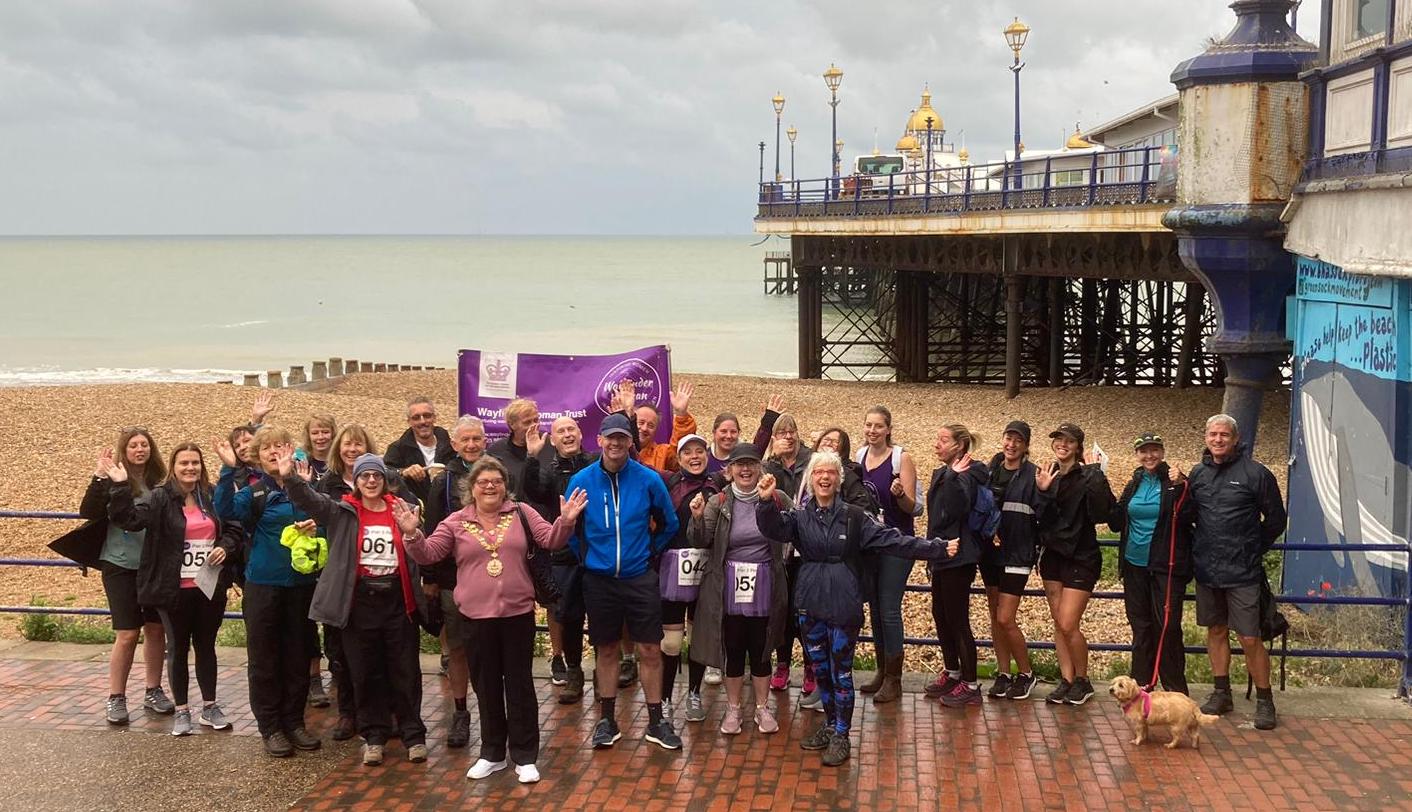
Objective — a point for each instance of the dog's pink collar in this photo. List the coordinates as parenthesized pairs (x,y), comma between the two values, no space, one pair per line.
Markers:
(1145,698)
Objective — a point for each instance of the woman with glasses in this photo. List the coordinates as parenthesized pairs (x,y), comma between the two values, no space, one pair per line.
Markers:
(489,538)
(786,463)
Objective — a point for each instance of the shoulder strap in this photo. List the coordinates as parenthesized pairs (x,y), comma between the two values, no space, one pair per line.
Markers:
(530,543)
(863,455)
(897,460)
(258,497)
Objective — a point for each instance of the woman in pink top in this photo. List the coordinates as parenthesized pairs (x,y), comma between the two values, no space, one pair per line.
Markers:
(495,595)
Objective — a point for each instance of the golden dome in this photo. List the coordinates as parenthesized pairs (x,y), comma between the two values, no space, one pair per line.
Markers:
(906,143)
(918,121)
(1077,141)
(964,155)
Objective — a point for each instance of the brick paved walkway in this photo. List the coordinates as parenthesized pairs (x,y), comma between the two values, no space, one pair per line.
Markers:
(911,755)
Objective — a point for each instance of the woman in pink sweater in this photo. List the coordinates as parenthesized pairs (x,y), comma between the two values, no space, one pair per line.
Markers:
(495,595)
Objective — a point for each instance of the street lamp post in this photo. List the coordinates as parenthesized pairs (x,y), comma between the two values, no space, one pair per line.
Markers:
(1015,35)
(832,78)
(929,156)
(762,170)
(778,102)
(791,134)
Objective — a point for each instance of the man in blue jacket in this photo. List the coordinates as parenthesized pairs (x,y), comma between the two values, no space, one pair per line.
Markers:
(628,522)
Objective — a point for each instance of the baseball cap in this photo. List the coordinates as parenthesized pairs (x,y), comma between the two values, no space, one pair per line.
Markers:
(1148,438)
(1019,427)
(691,438)
(744,451)
(1068,430)
(615,424)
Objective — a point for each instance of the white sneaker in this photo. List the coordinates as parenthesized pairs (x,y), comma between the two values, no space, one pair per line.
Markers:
(713,676)
(484,769)
(527,773)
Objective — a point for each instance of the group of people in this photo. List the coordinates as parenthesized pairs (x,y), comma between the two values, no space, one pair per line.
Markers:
(743,547)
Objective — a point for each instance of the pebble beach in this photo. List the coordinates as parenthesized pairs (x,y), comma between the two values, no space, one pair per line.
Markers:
(56,433)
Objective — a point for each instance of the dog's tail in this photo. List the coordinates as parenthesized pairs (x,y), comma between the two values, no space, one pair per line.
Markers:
(1205,719)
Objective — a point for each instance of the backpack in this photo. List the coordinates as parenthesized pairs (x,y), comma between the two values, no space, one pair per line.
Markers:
(985,514)
(917,498)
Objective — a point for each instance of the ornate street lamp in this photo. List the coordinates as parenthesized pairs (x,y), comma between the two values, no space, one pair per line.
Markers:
(929,154)
(1015,35)
(762,170)
(791,134)
(833,77)
(778,102)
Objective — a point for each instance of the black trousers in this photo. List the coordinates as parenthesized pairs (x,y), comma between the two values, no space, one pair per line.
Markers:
(951,611)
(746,637)
(1145,598)
(501,671)
(380,644)
(278,652)
(338,667)
(192,624)
(570,612)
(785,652)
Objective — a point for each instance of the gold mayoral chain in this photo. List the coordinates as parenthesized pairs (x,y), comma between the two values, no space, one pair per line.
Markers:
(494,567)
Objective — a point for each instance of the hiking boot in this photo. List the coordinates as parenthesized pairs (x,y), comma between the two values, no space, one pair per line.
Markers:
(627,672)
(156,701)
(765,721)
(459,735)
(809,683)
(839,750)
(961,695)
(213,717)
(277,745)
(819,739)
(417,754)
(1000,689)
(303,739)
(345,729)
(181,723)
(1081,691)
(117,710)
(713,676)
(695,709)
(941,686)
(573,687)
(372,755)
(606,734)
(662,735)
(731,724)
(780,680)
(1060,695)
(1219,703)
(318,698)
(558,671)
(1265,713)
(891,689)
(1020,686)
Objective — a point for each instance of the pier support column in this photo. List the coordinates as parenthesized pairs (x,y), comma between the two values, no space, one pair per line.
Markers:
(1014,315)
(1192,310)
(1057,288)
(913,311)
(811,323)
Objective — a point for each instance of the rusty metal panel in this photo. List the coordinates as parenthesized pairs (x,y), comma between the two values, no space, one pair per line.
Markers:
(1280,140)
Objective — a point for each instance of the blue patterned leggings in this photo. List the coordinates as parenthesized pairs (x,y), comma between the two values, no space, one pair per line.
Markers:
(829,648)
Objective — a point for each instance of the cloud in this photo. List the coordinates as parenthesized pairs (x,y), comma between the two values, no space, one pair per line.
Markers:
(501,116)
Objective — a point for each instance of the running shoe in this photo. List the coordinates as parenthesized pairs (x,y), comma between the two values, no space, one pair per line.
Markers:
(1218,704)
(713,676)
(484,768)
(372,755)
(780,680)
(809,683)
(1060,695)
(318,698)
(303,739)
(941,686)
(765,721)
(213,717)
(1020,686)
(662,735)
(814,700)
(156,701)
(1265,718)
(277,745)
(1001,688)
(558,670)
(181,723)
(606,734)
(731,724)
(526,773)
(695,709)
(961,695)
(1080,692)
(819,739)
(839,750)
(417,753)
(117,710)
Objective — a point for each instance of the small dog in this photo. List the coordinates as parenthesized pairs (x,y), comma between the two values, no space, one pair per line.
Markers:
(1143,708)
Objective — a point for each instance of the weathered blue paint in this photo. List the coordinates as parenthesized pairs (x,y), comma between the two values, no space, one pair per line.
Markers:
(1260,48)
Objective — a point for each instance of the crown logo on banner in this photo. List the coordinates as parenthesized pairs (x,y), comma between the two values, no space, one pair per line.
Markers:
(498,372)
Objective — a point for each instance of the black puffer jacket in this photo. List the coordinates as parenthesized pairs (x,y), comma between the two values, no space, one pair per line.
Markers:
(1168,554)
(1016,542)
(1082,499)
(683,487)
(789,480)
(84,544)
(443,499)
(162,514)
(1238,513)
(949,502)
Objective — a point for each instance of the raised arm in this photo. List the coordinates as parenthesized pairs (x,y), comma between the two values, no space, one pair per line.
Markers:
(879,538)
(319,507)
(232,504)
(555,536)
(423,549)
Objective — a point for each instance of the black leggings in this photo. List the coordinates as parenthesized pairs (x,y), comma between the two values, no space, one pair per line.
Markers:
(746,636)
(951,610)
(192,624)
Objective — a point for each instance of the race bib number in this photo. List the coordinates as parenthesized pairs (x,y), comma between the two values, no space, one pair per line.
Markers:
(690,566)
(747,576)
(376,550)
(193,556)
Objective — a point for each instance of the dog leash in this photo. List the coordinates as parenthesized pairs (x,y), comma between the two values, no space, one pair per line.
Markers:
(1167,596)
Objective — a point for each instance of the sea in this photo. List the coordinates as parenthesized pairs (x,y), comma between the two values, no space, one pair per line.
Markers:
(201,309)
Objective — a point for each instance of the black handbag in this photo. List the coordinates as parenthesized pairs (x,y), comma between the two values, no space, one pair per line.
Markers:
(541,568)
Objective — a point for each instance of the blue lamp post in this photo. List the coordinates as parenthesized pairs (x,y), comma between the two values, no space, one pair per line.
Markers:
(832,78)
(1015,35)
(778,102)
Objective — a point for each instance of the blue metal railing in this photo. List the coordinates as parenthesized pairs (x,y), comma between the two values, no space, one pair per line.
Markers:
(1110,178)
(1283,651)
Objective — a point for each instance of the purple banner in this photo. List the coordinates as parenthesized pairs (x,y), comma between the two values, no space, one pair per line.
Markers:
(577,386)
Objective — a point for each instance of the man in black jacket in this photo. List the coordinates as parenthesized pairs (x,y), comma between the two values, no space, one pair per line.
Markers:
(1238,513)
(421,449)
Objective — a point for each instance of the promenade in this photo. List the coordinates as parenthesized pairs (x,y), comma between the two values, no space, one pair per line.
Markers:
(1334,750)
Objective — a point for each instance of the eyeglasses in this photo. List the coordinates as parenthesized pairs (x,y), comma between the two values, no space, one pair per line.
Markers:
(490,484)
(422,416)
(786,433)
(370,475)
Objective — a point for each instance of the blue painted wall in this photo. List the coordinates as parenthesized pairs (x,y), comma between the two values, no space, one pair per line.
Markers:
(1350,438)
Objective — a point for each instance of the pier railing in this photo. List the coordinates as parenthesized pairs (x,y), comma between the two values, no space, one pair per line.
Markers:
(1139,176)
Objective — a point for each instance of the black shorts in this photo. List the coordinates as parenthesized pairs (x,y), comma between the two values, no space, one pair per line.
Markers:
(1074,573)
(1236,607)
(675,613)
(120,585)
(615,602)
(995,576)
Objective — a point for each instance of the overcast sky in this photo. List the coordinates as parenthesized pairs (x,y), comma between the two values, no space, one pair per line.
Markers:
(521,116)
